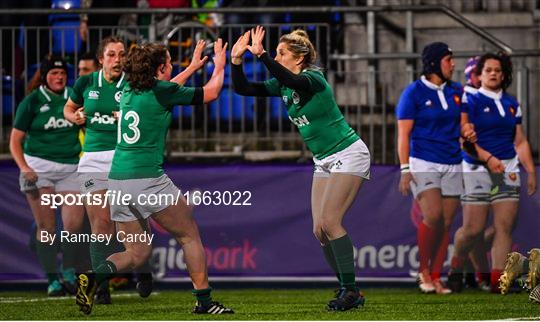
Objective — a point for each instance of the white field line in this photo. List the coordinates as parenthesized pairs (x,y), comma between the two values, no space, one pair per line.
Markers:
(60,298)
(529,318)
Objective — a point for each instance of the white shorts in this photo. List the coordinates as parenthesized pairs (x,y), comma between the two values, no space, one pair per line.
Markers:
(428,175)
(61,176)
(355,160)
(148,196)
(483,188)
(94,168)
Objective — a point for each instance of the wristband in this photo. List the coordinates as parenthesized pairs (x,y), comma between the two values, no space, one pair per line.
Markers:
(405,168)
(487,160)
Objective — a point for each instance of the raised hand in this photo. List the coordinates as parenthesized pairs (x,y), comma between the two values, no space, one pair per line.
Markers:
(220,53)
(240,48)
(197,62)
(257,37)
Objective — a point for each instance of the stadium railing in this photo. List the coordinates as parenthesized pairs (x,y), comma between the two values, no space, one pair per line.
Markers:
(235,126)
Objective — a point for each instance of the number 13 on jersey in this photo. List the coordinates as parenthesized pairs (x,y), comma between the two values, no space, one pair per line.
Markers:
(133,118)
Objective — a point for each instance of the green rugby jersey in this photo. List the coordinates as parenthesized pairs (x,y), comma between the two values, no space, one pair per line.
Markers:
(99,99)
(316,114)
(48,135)
(144,120)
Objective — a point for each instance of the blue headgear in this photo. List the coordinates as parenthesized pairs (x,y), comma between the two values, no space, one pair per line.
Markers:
(49,63)
(432,56)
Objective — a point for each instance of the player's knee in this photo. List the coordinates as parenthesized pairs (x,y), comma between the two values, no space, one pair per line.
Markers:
(187,236)
(329,226)
(472,232)
(72,226)
(185,212)
(319,233)
(102,226)
(434,215)
(44,229)
(504,230)
(46,224)
(447,223)
(434,221)
(488,234)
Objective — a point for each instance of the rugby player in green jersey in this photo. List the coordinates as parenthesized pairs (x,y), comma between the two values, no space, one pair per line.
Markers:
(342,160)
(46,148)
(137,169)
(93,103)
(95,97)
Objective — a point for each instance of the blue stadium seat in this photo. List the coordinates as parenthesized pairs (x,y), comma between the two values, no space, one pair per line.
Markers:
(278,109)
(232,106)
(65,28)
(187,111)
(65,36)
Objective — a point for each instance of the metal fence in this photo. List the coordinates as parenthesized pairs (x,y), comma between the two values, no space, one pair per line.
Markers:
(230,125)
(234,125)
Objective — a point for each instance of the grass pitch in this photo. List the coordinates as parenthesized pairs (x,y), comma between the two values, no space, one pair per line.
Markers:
(276,304)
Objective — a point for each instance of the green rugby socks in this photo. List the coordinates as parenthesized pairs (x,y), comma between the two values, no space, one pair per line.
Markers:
(344,255)
(203,296)
(331,259)
(46,254)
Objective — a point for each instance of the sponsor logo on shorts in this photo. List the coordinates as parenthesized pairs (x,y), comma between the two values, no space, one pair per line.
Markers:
(337,165)
(89,183)
(118,96)
(93,95)
(512,111)
(486,109)
(429,103)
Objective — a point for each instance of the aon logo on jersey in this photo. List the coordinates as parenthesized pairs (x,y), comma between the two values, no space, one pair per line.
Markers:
(102,119)
(299,121)
(54,123)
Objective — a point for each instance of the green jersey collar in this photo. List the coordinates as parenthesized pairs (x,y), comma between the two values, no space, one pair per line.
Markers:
(44,91)
(100,79)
